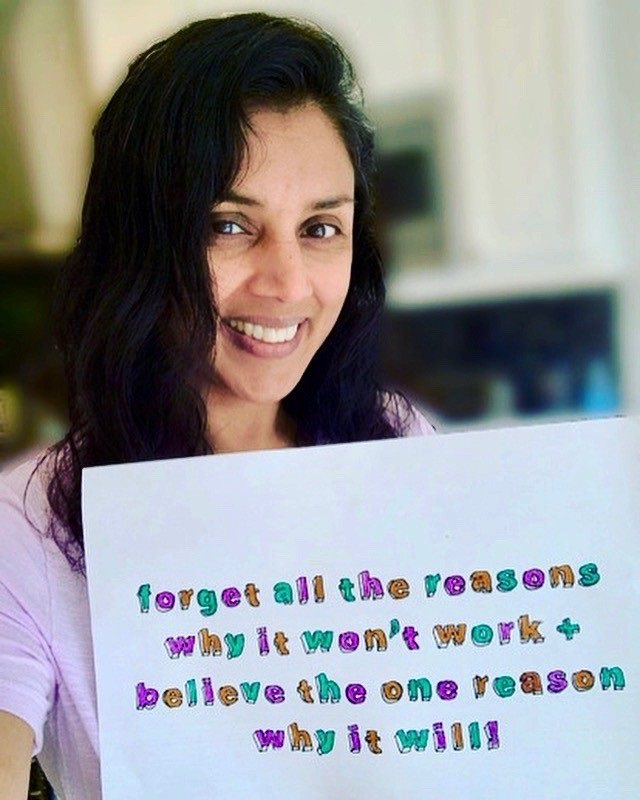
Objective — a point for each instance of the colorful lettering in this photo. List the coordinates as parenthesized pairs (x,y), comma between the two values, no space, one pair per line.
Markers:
(299,739)
(180,645)
(506,580)
(208,602)
(504,686)
(529,630)
(266,739)
(355,693)
(318,639)
(431,584)
(563,571)
(172,698)
(398,588)
(274,694)
(421,685)
(447,690)
(412,740)
(481,581)
(250,691)
(231,597)
(143,595)
(533,578)
(283,593)
(348,641)
(328,691)
(530,683)
(481,635)
(443,634)
(609,673)
(588,575)
(375,636)
(454,585)
(391,691)
(557,681)
(235,644)
(326,740)
(146,696)
(370,588)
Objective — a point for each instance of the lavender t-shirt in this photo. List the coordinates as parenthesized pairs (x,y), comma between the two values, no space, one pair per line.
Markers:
(46,654)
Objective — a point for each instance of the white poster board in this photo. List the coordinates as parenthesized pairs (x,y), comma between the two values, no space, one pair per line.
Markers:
(454,615)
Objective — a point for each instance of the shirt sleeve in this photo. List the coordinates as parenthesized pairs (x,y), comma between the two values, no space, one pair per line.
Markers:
(420,425)
(27,675)
(406,417)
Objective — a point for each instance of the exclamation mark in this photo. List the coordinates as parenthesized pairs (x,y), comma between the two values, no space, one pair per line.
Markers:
(491,729)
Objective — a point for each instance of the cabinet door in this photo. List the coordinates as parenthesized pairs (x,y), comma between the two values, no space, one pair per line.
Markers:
(512,129)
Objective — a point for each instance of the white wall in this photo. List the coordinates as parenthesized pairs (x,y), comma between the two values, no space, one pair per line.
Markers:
(623,66)
(53,113)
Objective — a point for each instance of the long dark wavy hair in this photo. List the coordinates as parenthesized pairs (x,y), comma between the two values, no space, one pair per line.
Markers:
(135,309)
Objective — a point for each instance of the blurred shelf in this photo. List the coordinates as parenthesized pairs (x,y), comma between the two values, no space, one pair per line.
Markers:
(16,265)
(519,421)
(448,285)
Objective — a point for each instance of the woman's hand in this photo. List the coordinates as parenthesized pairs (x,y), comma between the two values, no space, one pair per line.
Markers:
(16,743)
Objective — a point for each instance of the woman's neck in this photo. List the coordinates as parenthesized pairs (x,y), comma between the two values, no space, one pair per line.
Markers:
(235,426)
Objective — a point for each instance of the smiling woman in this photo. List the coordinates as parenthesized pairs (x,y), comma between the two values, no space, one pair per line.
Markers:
(224,295)
(280,255)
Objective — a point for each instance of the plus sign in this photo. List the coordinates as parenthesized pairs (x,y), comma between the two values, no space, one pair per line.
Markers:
(568,628)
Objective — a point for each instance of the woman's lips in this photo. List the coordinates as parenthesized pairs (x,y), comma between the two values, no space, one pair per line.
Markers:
(264,349)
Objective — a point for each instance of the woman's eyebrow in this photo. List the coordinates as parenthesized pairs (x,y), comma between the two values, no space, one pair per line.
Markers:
(319,205)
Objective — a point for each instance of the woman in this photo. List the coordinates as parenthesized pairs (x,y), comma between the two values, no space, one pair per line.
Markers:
(224,295)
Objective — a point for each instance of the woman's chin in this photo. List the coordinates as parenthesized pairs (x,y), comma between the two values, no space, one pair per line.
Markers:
(266,392)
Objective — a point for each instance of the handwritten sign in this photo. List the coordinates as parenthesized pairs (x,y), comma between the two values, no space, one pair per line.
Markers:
(453,614)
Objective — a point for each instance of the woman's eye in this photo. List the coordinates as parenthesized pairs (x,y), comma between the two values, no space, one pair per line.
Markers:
(322,230)
(226,227)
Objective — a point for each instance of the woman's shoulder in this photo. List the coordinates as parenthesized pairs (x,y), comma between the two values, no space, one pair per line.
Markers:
(23,520)
(406,417)
(23,485)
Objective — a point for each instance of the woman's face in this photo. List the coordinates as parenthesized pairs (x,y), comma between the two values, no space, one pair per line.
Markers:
(281,253)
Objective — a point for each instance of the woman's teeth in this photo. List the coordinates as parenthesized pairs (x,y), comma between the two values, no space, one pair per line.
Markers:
(262,333)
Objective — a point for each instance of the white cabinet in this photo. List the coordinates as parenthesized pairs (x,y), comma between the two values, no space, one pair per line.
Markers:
(530,146)
(399,49)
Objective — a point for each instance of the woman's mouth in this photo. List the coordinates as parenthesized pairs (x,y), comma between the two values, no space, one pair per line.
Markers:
(264,333)
(266,339)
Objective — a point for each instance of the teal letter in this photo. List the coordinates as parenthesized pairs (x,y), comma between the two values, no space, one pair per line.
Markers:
(283,593)
(321,639)
(144,592)
(606,673)
(588,575)
(250,691)
(431,584)
(474,735)
(506,580)
(192,694)
(208,602)
(326,741)
(504,686)
(421,684)
(409,740)
(345,587)
(235,644)
(481,634)
(326,687)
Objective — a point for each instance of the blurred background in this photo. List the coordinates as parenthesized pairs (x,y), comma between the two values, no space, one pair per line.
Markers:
(508,186)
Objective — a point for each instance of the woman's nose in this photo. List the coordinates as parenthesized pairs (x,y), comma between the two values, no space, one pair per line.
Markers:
(280,271)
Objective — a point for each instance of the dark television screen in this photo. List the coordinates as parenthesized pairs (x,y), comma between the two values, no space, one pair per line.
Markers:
(405,184)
